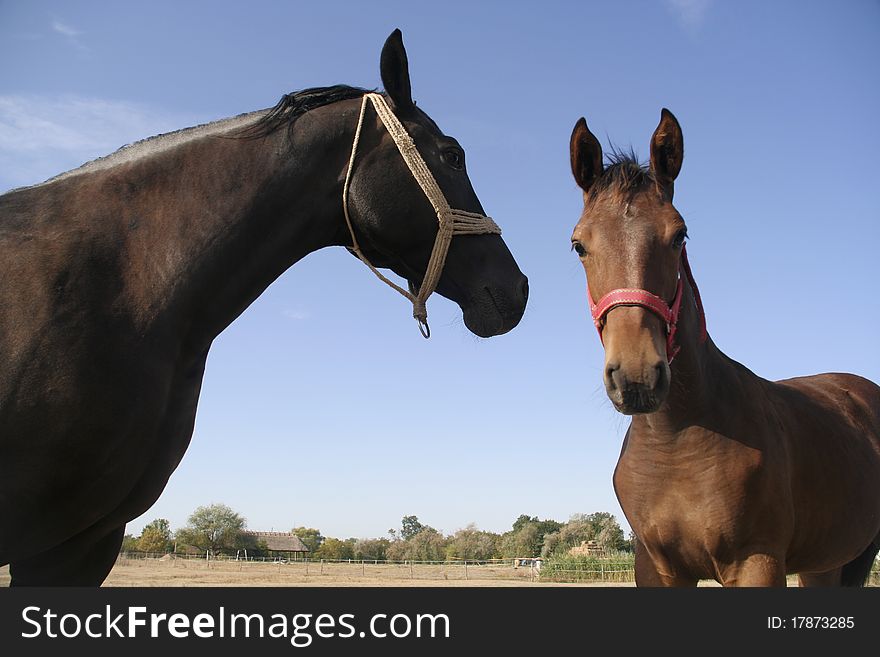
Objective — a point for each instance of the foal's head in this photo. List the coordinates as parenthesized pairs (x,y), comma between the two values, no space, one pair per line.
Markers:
(630,236)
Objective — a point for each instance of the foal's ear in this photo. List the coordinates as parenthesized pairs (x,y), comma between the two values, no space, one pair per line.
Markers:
(586,155)
(667,152)
(394,68)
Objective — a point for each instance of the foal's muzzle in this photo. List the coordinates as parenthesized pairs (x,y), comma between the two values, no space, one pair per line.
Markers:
(643,393)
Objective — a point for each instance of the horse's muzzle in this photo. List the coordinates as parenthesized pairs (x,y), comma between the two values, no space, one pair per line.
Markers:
(634,395)
(495,311)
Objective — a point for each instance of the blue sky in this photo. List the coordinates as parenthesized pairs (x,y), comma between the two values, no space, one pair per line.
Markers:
(322,405)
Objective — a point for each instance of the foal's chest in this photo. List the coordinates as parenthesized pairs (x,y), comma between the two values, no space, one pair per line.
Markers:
(692,491)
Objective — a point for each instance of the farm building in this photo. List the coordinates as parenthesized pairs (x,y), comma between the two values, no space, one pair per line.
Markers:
(281,544)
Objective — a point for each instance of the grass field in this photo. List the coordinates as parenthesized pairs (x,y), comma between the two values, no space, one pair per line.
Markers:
(191,572)
(169,572)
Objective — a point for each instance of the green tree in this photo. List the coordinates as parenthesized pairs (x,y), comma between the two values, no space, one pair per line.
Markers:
(334,549)
(526,539)
(371,548)
(601,527)
(310,537)
(409,527)
(525,542)
(472,544)
(155,537)
(522,521)
(427,545)
(610,534)
(129,544)
(214,528)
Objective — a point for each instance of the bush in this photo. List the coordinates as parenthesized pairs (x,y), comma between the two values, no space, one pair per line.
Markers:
(566,568)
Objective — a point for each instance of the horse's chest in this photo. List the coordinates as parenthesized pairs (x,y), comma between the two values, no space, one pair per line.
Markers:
(691,496)
(96,413)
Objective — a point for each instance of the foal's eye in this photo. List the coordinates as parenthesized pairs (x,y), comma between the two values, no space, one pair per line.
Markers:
(680,237)
(454,158)
(578,248)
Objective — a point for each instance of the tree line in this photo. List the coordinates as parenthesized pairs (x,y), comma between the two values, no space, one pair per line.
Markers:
(217,529)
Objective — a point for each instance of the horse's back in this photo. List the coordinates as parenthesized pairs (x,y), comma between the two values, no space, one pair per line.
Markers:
(854,399)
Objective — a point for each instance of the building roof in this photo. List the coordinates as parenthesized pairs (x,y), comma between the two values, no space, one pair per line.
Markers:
(280,541)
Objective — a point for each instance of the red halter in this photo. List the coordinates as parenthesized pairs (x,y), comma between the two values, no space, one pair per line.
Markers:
(635,297)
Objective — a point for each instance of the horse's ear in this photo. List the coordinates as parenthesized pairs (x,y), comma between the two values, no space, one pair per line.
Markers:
(394,68)
(667,152)
(586,155)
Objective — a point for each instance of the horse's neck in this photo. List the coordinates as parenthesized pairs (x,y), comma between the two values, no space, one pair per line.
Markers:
(228,215)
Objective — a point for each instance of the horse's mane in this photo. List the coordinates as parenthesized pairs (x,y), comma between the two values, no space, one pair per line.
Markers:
(289,108)
(293,105)
(624,174)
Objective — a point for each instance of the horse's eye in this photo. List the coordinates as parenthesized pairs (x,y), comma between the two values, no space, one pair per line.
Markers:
(454,158)
(680,237)
(578,248)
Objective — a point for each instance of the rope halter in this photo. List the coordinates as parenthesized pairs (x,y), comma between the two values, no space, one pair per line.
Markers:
(668,313)
(451,222)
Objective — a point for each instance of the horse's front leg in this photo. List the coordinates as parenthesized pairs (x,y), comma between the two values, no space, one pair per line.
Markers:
(755,570)
(649,574)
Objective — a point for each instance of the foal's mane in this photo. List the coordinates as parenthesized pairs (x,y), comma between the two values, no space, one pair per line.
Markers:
(294,105)
(624,174)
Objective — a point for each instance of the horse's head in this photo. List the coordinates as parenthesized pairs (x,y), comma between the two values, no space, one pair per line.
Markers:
(396,225)
(630,240)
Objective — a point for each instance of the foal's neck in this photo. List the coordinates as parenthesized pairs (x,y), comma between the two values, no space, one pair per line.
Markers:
(702,376)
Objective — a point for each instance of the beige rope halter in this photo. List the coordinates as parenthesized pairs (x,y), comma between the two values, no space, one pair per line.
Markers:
(451,222)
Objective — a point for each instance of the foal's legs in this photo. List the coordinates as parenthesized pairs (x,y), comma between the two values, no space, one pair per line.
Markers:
(84,560)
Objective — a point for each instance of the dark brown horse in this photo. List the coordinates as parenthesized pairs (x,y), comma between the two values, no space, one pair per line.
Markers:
(117,277)
(723,475)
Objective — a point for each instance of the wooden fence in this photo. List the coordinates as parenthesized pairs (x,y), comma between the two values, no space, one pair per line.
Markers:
(493,569)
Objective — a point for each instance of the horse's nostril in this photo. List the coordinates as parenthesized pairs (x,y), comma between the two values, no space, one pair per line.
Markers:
(610,369)
(524,288)
(660,374)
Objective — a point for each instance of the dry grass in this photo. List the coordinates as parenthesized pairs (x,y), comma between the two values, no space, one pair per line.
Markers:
(182,573)
(178,572)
